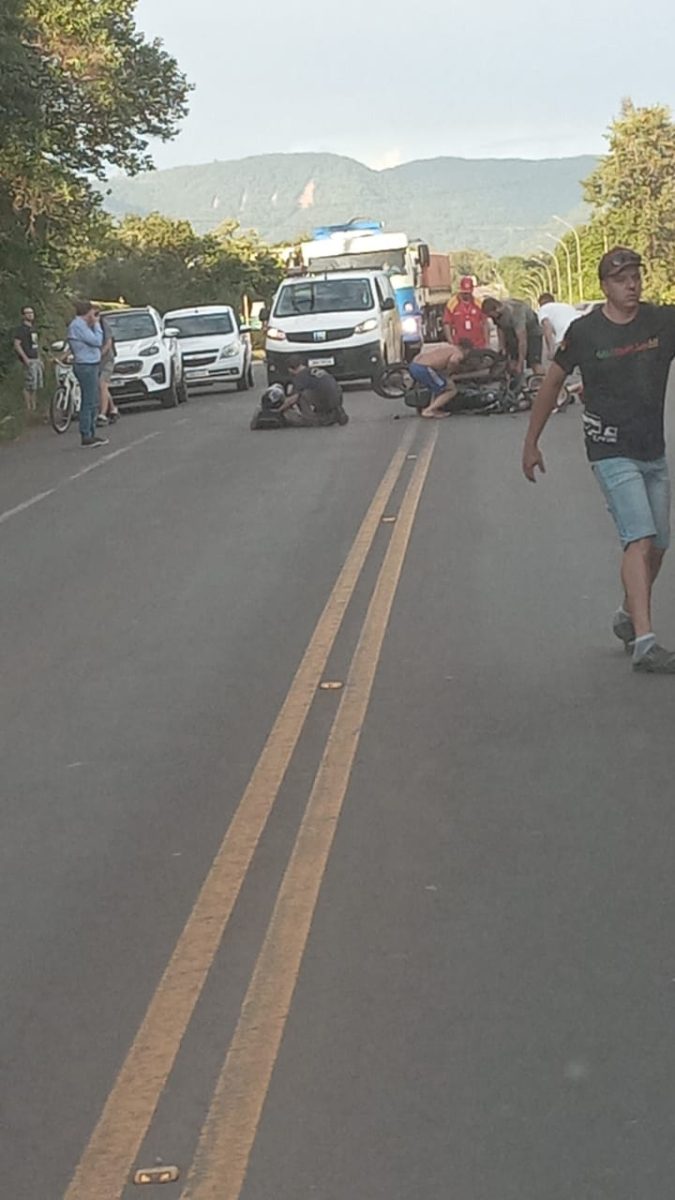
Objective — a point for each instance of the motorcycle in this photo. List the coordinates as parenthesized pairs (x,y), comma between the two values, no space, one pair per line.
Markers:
(484,389)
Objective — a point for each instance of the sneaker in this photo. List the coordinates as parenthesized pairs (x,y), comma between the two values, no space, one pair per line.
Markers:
(656,661)
(94,441)
(101,419)
(622,626)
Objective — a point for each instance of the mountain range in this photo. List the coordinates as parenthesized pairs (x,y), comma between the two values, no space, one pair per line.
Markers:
(502,206)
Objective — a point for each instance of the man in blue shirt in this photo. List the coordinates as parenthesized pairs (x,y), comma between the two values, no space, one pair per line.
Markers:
(85,337)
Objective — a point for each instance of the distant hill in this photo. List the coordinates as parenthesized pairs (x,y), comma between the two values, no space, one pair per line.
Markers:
(499,205)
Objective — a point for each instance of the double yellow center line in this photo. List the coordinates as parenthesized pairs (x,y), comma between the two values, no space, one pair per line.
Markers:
(225,1144)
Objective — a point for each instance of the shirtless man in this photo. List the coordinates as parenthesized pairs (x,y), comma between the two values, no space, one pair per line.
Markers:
(430,369)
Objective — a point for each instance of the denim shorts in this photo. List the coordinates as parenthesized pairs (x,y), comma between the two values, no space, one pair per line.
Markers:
(638,498)
(428,378)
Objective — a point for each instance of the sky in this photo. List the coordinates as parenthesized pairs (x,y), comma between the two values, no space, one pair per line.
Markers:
(387,81)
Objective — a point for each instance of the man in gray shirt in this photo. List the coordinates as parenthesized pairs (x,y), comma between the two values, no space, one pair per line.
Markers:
(520,334)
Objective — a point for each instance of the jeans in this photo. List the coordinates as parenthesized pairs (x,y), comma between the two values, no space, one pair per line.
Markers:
(638,498)
(87,376)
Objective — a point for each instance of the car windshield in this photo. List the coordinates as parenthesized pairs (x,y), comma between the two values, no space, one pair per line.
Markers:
(130,327)
(201,324)
(324,296)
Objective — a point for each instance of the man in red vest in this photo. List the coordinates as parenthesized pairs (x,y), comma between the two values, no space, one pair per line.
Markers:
(464,320)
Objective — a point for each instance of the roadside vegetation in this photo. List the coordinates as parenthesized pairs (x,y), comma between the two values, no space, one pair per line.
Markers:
(83,92)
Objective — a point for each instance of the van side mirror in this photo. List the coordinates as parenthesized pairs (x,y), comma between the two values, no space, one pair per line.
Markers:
(423,255)
(388,304)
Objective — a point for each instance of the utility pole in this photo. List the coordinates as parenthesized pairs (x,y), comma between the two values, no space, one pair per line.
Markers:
(561,242)
(580,272)
(545,267)
(545,250)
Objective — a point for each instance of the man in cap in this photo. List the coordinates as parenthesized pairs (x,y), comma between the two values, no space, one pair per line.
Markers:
(623,349)
(464,320)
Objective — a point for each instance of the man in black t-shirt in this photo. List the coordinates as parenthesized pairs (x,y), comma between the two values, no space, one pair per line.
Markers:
(316,396)
(623,349)
(26,348)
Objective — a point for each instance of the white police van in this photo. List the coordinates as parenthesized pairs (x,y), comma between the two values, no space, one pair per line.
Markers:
(344,321)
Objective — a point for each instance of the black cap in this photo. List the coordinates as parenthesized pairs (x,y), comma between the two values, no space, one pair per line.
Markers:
(616,260)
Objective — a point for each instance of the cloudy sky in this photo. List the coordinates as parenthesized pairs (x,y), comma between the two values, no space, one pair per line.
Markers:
(386,81)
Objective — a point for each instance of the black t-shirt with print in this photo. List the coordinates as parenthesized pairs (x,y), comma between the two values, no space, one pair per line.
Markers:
(27,336)
(625,373)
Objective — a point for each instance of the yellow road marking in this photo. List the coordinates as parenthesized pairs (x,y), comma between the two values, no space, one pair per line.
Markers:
(225,1144)
(103,1170)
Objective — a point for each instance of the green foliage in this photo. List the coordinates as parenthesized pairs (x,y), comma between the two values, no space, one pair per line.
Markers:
(478,263)
(82,90)
(159,261)
(632,193)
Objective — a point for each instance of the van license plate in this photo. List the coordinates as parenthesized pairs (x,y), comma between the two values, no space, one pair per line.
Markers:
(320,362)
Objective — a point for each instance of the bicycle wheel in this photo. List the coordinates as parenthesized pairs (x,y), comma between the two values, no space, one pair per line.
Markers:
(394,382)
(61,408)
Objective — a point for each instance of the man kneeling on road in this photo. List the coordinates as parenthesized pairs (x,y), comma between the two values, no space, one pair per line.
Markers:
(431,367)
(316,397)
(624,350)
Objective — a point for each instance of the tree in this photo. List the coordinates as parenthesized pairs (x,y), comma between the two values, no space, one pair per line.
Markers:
(161,261)
(632,192)
(82,91)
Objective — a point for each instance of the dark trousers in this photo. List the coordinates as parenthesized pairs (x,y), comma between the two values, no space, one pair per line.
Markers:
(87,376)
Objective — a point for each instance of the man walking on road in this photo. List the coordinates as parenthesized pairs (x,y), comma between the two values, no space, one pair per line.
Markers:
(85,337)
(624,349)
(27,350)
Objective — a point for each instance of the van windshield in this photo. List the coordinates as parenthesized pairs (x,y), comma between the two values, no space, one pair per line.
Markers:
(200,324)
(324,296)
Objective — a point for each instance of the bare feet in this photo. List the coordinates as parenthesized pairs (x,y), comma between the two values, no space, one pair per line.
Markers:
(433,412)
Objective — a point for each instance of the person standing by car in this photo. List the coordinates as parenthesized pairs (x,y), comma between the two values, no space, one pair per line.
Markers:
(316,395)
(85,338)
(624,349)
(108,412)
(27,350)
(520,335)
(464,320)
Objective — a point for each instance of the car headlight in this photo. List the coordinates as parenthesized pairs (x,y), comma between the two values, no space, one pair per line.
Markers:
(366,326)
(229,351)
(149,351)
(276,335)
(409,324)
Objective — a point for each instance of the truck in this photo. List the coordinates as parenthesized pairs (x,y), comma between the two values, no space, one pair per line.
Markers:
(421,280)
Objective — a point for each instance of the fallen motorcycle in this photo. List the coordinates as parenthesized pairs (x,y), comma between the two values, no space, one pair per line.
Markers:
(485,388)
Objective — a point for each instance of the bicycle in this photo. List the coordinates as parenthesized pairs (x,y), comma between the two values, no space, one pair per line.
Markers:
(66,400)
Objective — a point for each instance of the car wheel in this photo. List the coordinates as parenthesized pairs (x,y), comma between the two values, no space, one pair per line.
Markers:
(182,392)
(251,380)
(243,384)
(170,396)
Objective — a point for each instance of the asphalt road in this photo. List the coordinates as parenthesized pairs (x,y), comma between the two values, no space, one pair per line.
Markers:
(410,936)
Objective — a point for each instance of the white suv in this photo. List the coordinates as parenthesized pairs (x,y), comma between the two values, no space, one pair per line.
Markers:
(215,350)
(147,358)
